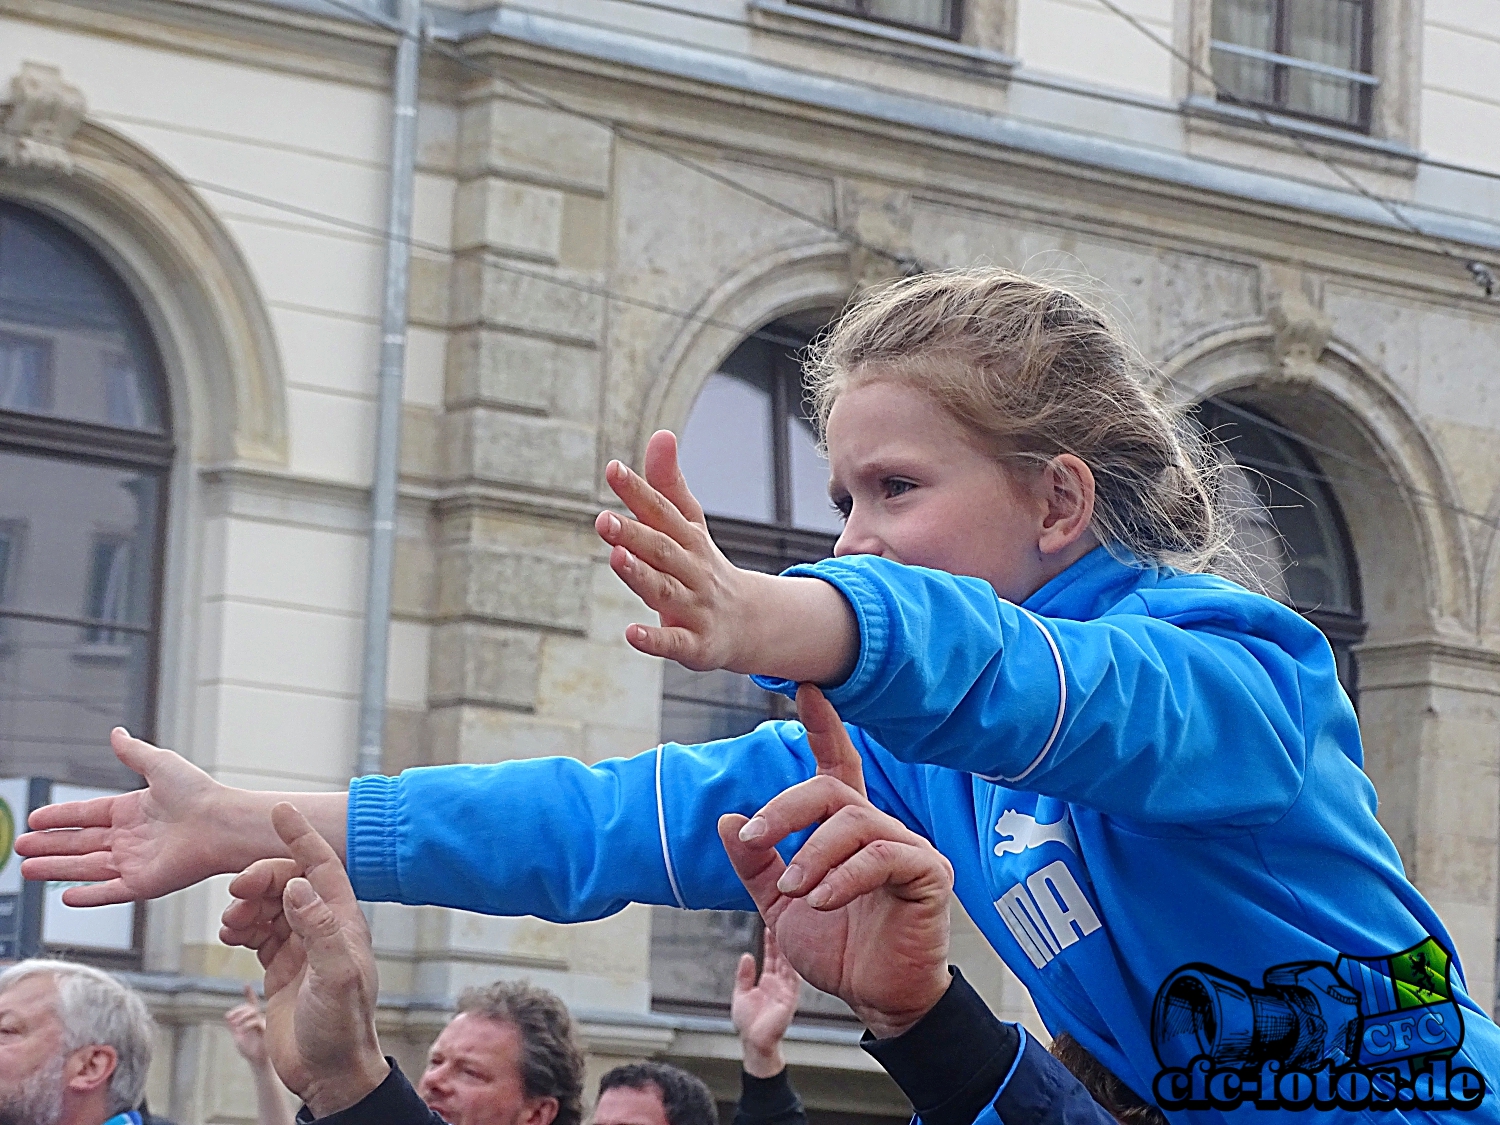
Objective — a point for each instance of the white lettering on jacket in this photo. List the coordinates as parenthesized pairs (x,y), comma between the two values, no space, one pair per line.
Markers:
(1048,914)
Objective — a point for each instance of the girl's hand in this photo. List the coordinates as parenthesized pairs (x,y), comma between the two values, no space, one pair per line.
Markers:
(138,845)
(668,558)
(862,911)
(247,1026)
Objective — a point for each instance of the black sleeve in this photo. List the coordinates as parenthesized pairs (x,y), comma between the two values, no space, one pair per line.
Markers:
(959,1057)
(951,1064)
(393,1102)
(768,1101)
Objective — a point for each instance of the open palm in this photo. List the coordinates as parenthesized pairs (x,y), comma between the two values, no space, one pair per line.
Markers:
(137,845)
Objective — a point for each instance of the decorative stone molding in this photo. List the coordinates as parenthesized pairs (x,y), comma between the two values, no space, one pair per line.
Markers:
(40,119)
(1302,330)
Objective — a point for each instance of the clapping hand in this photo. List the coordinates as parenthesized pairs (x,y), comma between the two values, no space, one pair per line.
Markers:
(862,910)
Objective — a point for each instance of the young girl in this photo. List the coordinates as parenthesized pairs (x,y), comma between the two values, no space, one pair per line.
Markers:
(1147,778)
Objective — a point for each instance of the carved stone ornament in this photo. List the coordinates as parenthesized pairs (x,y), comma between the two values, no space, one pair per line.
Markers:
(39,120)
(1302,332)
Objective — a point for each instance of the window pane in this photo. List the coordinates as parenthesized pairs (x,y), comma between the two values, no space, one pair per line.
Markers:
(811,507)
(725,450)
(1250,23)
(59,697)
(1326,31)
(80,538)
(71,342)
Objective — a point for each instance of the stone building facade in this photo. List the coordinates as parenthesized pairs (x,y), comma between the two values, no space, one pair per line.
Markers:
(611,198)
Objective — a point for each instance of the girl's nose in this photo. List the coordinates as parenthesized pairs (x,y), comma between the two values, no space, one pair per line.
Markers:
(856,539)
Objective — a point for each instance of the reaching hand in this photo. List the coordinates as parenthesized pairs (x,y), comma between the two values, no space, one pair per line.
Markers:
(763,1010)
(862,911)
(301,918)
(138,845)
(247,1027)
(668,558)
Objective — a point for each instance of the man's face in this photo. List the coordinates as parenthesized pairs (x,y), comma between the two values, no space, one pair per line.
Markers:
(473,1076)
(31,1053)
(621,1105)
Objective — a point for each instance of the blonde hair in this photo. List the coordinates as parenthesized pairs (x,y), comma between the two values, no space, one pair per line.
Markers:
(1033,371)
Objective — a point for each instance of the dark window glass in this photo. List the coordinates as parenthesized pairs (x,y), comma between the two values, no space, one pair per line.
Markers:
(1308,58)
(72,342)
(1291,527)
(84,458)
(937,17)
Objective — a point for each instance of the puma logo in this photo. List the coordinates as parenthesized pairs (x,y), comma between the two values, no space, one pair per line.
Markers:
(1018,832)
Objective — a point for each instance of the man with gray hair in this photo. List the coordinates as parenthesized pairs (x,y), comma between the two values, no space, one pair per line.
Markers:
(75,1045)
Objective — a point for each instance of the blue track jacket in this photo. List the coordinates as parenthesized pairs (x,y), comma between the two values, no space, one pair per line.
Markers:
(1149,785)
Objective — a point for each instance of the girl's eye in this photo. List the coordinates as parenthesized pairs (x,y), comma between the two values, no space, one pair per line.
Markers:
(895,486)
(843,505)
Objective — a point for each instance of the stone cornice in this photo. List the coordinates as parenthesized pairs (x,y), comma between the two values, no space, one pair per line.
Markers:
(276,37)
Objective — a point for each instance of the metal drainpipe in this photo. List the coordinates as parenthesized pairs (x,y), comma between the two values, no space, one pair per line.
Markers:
(392,366)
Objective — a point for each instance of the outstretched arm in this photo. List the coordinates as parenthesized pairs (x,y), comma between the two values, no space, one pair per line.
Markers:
(180,829)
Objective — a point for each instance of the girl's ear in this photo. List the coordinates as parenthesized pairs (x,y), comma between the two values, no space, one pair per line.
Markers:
(1067,485)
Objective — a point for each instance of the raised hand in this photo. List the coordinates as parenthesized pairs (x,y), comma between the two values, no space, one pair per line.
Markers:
(762,1010)
(247,1027)
(862,910)
(301,918)
(668,558)
(139,845)
(713,614)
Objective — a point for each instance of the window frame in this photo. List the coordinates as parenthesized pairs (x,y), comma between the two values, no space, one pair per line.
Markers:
(146,450)
(954,31)
(1283,63)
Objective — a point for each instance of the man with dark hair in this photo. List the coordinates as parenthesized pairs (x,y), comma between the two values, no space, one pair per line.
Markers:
(509,1057)
(653,1093)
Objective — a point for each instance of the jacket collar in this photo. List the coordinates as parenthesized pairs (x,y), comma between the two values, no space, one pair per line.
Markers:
(1090,586)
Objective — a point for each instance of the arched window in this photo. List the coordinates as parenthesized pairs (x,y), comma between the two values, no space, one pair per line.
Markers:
(750,456)
(1292,528)
(85,449)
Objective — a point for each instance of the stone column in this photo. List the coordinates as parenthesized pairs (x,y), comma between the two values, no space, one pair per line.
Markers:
(1430,715)
(528,656)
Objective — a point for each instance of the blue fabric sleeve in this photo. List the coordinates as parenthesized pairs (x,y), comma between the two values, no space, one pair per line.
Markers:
(1196,720)
(568,842)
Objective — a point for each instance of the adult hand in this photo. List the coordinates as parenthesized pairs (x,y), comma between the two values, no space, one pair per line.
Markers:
(762,1010)
(713,614)
(301,918)
(247,1027)
(137,845)
(862,910)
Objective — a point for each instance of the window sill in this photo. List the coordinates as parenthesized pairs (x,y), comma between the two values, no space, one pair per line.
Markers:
(866,35)
(1207,116)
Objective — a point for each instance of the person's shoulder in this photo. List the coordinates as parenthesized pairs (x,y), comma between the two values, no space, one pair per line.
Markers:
(1196,601)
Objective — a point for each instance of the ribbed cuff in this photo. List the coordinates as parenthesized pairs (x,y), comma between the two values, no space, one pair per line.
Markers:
(870,614)
(370,846)
(954,1061)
